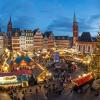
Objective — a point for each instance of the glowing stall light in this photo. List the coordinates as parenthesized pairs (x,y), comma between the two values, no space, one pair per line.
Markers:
(78,59)
(66,50)
(44,50)
(79,76)
(8,79)
(37,54)
(5,69)
(49,74)
(40,66)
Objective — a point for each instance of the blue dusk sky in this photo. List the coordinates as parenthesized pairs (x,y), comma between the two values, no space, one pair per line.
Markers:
(51,15)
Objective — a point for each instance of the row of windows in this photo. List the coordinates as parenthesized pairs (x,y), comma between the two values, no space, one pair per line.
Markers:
(15,41)
(23,38)
(22,44)
(84,48)
(15,45)
(29,38)
(29,42)
(29,34)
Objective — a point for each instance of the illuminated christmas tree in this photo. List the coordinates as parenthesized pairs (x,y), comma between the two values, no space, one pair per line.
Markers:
(95,61)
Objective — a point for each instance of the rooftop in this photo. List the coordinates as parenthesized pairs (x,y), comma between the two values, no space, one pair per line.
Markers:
(85,37)
(61,37)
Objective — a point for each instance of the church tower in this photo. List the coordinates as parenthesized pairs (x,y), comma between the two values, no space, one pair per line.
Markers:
(9,34)
(9,27)
(75,30)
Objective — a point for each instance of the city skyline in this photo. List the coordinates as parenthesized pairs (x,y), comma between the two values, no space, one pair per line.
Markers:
(51,15)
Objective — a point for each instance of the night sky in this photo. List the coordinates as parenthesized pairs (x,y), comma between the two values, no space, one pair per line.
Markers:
(51,15)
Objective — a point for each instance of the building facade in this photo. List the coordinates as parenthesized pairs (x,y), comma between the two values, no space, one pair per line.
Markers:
(22,41)
(29,40)
(16,41)
(38,40)
(49,40)
(62,42)
(86,43)
(1,43)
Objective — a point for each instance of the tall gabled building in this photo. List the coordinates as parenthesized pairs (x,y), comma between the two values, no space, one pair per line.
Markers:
(62,42)
(29,40)
(86,44)
(49,40)
(2,40)
(16,41)
(38,40)
(23,41)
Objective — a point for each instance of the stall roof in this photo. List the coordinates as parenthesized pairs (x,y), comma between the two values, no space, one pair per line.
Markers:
(83,79)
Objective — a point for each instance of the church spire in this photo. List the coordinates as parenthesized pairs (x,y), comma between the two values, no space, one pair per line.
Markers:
(9,28)
(74,19)
(75,30)
(10,22)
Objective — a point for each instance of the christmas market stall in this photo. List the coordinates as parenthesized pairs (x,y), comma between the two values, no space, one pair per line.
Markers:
(82,82)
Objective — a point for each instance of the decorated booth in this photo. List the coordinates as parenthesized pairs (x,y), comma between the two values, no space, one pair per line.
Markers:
(82,82)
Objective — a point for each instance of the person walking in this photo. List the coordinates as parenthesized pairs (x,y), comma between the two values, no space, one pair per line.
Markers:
(36,90)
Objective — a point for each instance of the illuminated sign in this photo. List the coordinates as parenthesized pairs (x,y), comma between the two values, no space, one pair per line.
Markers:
(56,57)
(8,79)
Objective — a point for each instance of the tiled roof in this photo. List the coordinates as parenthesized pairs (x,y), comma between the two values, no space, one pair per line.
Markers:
(48,33)
(94,39)
(16,29)
(70,38)
(61,37)
(36,30)
(85,37)
(26,59)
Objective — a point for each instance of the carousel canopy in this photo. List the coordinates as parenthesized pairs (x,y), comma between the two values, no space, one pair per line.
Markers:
(22,59)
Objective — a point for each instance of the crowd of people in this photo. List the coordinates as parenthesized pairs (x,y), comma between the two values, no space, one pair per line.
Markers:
(50,88)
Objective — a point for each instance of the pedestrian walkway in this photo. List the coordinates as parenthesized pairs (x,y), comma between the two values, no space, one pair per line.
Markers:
(39,95)
(4,96)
